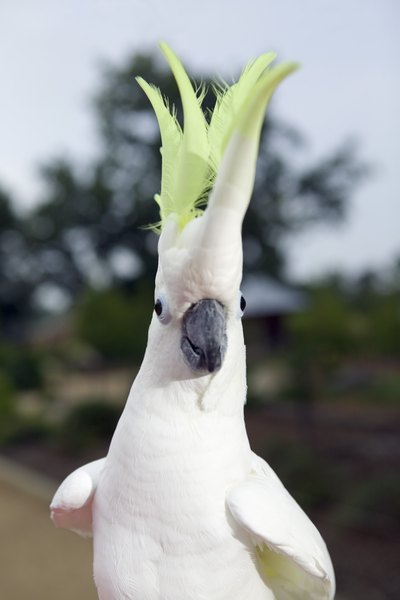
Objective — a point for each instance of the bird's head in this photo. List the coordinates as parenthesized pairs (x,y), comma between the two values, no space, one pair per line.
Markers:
(198,304)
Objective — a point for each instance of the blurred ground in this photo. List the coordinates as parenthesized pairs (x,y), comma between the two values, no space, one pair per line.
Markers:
(37,561)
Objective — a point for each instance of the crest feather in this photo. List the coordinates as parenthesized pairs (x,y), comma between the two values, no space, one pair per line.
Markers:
(230,100)
(171,137)
(191,157)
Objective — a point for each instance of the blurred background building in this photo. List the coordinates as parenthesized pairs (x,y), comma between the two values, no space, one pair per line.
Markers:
(79,166)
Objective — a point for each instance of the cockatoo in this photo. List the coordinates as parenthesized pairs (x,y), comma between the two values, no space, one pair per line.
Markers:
(181,508)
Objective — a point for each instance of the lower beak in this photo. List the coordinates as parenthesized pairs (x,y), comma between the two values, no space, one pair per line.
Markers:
(204,340)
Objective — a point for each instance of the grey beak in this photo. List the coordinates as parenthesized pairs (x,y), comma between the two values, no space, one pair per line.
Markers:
(203,340)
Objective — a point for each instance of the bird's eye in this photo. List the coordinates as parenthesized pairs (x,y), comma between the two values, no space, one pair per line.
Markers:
(161,309)
(158,307)
(242,304)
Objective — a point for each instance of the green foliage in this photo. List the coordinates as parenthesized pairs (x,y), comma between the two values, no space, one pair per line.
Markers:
(324,328)
(320,338)
(88,425)
(384,331)
(375,301)
(7,396)
(15,264)
(336,344)
(383,390)
(374,503)
(340,321)
(116,323)
(7,406)
(302,471)
(27,430)
(387,389)
(23,366)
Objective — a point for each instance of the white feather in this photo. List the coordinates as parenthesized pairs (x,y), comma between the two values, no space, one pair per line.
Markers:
(71,506)
(264,508)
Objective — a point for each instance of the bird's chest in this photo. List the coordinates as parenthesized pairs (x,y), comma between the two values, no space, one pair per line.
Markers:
(168,480)
(160,521)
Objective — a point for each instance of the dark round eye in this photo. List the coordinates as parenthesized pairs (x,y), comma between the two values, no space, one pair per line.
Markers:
(158,307)
(162,310)
(242,303)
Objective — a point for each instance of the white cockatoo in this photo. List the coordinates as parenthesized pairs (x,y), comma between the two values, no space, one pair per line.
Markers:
(181,508)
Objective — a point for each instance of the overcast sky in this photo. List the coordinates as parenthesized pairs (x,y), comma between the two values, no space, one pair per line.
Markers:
(348,87)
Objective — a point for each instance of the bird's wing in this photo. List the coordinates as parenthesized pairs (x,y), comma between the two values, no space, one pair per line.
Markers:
(293,556)
(71,507)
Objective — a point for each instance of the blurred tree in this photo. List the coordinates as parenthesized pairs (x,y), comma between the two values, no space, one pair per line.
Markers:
(385,325)
(321,337)
(7,396)
(375,300)
(88,425)
(365,290)
(23,366)
(87,228)
(7,405)
(324,328)
(15,268)
(123,334)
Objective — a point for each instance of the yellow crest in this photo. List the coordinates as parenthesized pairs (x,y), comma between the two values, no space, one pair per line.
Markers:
(191,157)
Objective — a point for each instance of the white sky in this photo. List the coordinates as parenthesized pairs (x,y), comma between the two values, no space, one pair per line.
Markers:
(50,52)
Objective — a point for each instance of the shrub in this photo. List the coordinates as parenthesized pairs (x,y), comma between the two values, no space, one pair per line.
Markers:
(302,471)
(114,323)
(7,397)
(23,367)
(88,425)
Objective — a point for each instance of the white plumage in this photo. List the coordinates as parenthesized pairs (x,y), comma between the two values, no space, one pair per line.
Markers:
(181,509)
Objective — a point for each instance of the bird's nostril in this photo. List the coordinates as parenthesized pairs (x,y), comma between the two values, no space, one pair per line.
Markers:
(195,349)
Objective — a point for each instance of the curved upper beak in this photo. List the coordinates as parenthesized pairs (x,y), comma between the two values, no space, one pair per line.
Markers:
(203,340)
